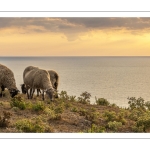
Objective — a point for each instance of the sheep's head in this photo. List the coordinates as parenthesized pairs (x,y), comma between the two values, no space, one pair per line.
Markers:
(13,92)
(51,94)
(23,88)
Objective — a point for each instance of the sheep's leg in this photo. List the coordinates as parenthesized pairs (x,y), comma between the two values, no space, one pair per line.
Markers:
(2,89)
(43,95)
(1,92)
(38,91)
(32,92)
(27,93)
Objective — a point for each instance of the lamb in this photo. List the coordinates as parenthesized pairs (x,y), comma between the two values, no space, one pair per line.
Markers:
(53,77)
(7,80)
(38,79)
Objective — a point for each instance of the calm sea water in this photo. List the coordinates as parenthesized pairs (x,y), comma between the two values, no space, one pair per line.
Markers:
(113,78)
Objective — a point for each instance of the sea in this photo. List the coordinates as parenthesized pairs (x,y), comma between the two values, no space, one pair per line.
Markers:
(115,78)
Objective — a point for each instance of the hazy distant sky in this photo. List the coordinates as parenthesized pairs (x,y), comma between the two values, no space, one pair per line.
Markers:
(75,36)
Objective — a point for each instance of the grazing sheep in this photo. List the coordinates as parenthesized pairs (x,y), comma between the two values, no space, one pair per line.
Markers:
(7,80)
(38,79)
(54,80)
(53,77)
(27,69)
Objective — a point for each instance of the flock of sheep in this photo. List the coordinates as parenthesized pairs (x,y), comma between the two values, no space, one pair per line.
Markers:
(34,78)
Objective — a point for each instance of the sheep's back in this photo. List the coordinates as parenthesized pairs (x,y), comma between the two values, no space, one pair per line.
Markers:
(29,68)
(6,76)
(41,79)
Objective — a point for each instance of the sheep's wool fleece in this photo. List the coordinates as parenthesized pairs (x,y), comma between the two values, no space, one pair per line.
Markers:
(7,77)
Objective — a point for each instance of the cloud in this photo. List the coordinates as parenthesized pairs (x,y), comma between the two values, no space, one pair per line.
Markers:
(73,27)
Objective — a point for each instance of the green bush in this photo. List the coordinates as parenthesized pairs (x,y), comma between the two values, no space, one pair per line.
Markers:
(38,107)
(144,121)
(96,129)
(84,98)
(28,126)
(102,101)
(19,102)
(113,125)
(136,103)
(110,116)
(74,109)
(72,98)
(59,109)
(147,105)
(92,116)
(135,114)
(63,95)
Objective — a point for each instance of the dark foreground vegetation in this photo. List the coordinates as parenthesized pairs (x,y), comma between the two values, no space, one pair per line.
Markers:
(70,114)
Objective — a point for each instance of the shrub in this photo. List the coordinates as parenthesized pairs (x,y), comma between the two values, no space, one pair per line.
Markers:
(28,126)
(38,107)
(102,101)
(59,109)
(136,103)
(72,98)
(114,125)
(147,105)
(82,112)
(18,101)
(93,117)
(135,114)
(96,129)
(144,121)
(110,116)
(85,98)
(63,95)
(74,109)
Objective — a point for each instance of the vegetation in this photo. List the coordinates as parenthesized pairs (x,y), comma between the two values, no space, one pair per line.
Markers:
(71,114)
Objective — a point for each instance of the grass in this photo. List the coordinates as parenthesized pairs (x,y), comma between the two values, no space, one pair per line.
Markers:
(71,114)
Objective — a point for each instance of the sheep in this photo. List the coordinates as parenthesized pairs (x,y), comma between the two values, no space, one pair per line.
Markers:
(7,80)
(54,80)
(38,79)
(53,77)
(27,69)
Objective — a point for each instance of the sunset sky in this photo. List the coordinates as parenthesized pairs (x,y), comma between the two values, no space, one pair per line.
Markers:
(103,36)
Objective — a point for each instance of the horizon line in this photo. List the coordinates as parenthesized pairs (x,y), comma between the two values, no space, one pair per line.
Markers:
(75,56)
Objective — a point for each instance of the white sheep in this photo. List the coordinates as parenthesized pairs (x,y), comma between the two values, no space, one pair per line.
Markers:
(7,80)
(38,79)
(53,77)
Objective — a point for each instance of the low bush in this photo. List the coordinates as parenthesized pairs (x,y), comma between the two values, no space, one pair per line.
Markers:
(38,106)
(144,122)
(110,116)
(19,102)
(114,125)
(102,101)
(84,98)
(32,126)
(96,129)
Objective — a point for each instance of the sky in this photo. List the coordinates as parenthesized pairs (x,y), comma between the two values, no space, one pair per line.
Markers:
(74,36)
